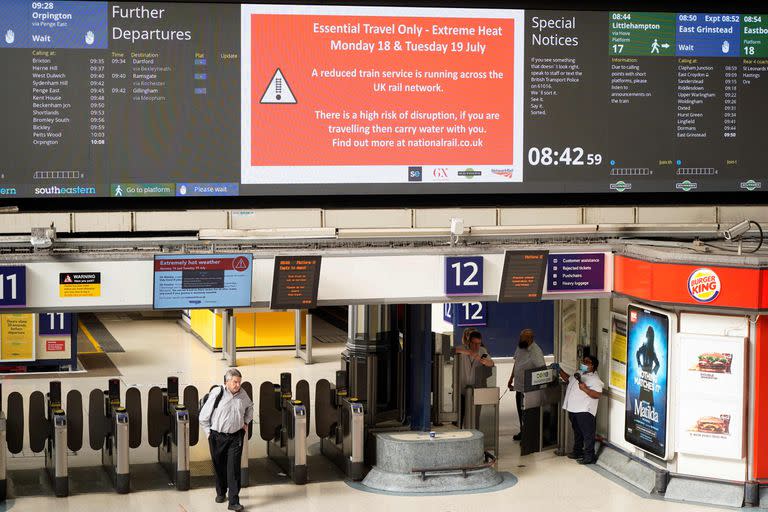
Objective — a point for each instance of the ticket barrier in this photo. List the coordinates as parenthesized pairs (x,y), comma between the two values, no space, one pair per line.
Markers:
(284,425)
(53,431)
(244,475)
(4,447)
(172,427)
(340,423)
(541,408)
(115,429)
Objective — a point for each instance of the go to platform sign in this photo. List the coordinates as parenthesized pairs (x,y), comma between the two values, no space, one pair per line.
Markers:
(13,286)
(463,275)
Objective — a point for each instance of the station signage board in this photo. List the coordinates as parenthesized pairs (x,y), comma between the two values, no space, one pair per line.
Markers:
(13,286)
(578,273)
(295,282)
(522,278)
(463,275)
(183,281)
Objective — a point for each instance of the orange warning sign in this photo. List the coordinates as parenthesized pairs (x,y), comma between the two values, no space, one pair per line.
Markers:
(381,90)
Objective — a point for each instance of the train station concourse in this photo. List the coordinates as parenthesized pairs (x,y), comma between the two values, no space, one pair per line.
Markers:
(434,255)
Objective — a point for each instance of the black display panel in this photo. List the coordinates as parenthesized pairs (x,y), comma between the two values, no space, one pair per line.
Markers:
(522,278)
(295,282)
(149,99)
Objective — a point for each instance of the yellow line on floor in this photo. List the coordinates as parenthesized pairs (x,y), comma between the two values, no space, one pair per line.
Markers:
(90,338)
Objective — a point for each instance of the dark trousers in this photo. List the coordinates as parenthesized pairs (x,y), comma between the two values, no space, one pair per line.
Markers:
(519,403)
(226,450)
(584,426)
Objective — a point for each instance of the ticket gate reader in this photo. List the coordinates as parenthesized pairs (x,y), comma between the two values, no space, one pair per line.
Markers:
(3,450)
(284,425)
(112,431)
(340,423)
(168,429)
(53,431)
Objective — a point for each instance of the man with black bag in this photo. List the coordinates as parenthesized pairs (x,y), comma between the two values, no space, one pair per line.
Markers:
(225,417)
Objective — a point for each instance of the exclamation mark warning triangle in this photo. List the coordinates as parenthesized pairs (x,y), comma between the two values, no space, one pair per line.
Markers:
(278,90)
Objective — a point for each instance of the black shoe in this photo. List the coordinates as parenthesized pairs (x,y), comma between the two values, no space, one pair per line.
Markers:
(576,456)
(586,461)
(236,507)
(517,437)
(221,499)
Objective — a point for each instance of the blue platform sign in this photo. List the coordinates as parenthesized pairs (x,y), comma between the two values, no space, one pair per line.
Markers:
(183,281)
(463,275)
(448,312)
(469,314)
(13,286)
(55,324)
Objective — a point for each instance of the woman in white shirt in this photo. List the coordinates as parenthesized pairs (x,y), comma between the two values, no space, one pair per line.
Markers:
(581,398)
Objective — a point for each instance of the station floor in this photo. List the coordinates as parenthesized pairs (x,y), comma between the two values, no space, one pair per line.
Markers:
(156,348)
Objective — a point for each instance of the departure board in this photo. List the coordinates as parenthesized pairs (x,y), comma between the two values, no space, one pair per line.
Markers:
(143,99)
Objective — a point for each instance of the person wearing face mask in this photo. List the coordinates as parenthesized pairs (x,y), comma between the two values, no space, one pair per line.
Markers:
(581,398)
(528,355)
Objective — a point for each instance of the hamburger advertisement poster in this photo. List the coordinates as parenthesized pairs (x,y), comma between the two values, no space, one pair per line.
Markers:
(711,413)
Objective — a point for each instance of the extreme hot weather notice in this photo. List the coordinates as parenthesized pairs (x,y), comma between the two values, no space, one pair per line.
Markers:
(350,96)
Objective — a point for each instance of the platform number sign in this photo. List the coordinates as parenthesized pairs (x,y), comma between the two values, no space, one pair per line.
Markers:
(13,286)
(463,275)
(448,312)
(55,323)
(471,314)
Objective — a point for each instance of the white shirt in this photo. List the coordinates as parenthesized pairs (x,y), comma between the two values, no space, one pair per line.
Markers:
(232,413)
(469,370)
(577,400)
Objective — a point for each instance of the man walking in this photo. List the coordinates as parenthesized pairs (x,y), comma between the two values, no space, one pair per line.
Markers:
(225,417)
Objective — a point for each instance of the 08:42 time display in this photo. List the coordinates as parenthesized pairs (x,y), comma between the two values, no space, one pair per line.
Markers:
(563,156)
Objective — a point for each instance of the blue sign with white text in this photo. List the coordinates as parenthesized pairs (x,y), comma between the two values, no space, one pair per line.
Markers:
(471,314)
(54,323)
(53,24)
(13,286)
(463,275)
(708,35)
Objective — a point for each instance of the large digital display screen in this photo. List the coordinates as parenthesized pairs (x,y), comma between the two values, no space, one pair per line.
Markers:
(647,387)
(139,99)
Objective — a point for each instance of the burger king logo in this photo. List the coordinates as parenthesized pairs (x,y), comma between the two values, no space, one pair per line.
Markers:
(703,285)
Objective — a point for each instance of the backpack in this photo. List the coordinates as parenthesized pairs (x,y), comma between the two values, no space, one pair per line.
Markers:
(216,402)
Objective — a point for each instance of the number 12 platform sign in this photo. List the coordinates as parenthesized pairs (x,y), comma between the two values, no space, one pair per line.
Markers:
(463,275)
(13,287)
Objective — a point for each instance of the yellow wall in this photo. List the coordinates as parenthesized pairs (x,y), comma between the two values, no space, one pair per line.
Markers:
(263,329)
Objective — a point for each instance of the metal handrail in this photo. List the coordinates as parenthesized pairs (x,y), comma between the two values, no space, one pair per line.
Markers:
(490,461)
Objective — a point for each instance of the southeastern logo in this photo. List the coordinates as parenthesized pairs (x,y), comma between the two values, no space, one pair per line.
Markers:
(703,285)
(415,173)
(686,186)
(506,173)
(470,173)
(621,186)
(751,185)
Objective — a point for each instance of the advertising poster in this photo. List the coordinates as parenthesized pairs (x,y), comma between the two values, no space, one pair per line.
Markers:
(648,334)
(618,377)
(711,416)
(17,341)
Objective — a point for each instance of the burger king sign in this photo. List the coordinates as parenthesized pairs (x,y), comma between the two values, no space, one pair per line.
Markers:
(704,285)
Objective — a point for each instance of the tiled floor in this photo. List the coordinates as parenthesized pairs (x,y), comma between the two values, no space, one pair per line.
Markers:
(155,349)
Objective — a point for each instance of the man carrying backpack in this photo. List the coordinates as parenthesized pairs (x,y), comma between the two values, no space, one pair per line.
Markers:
(225,418)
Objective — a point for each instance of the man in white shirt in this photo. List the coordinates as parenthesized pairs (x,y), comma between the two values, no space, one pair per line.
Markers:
(528,355)
(225,417)
(581,398)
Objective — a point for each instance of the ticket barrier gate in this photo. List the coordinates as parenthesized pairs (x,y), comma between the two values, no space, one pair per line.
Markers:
(541,409)
(284,425)
(53,431)
(172,427)
(115,429)
(340,423)
(4,446)
(244,474)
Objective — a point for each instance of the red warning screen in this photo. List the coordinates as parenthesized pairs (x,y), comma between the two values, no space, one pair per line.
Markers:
(361,98)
